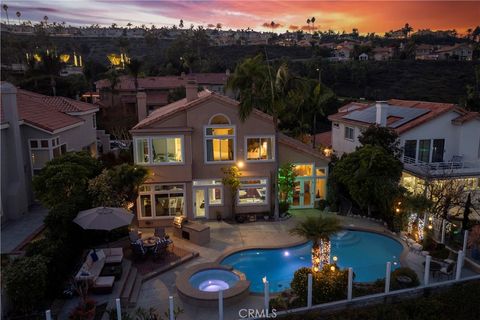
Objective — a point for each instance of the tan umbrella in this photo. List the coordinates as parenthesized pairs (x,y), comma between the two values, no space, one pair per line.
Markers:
(103,218)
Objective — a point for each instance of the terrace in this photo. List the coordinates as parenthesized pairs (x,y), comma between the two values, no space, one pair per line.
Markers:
(455,167)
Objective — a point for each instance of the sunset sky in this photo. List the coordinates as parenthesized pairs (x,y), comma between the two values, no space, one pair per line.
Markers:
(367,16)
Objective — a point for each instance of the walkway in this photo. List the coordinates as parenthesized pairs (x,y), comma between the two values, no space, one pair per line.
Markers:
(15,232)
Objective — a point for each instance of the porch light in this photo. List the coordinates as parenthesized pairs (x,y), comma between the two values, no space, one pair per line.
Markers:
(240,164)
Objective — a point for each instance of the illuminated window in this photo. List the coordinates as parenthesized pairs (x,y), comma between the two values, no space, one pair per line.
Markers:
(320,188)
(220,143)
(168,200)
(304,170)
(252,191)
(141,151)
(260,148)
(159,150)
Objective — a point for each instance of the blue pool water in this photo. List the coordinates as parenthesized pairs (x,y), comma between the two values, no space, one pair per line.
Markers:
(213,280)
(366,252)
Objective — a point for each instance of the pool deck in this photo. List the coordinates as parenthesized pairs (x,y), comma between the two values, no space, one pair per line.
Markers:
(226,237)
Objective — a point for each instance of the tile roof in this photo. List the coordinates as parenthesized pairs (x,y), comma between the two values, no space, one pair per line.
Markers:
(434,109)
(49,113)
(324,138)
(466,117)
(300,146)
(127,83)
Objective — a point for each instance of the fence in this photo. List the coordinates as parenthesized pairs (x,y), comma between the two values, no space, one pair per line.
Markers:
(349,301)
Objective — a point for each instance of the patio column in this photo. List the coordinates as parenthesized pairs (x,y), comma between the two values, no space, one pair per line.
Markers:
(426,276)
(443,230)
(350,284)
(387,277)
(118,306)
(171,310)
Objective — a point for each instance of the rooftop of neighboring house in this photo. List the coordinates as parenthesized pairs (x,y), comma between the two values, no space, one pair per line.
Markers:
(127,83)
(49,113)
(324,139)
(454,47)
(402,115)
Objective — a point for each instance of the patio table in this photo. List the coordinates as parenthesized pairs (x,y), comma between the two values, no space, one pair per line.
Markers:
(150,242)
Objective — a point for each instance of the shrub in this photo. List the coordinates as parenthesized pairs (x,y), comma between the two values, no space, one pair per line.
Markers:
(327,285)
(405,272)
(25,281)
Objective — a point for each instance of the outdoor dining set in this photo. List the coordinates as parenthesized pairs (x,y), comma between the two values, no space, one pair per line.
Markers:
(156,245)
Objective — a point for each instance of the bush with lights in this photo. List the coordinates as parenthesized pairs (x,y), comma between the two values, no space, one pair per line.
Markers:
(329,284)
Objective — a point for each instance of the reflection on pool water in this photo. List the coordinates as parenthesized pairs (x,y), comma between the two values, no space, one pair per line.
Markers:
(366,252)
(213,280)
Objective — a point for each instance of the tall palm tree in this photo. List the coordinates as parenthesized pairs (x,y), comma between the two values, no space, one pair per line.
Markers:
(406,30)
(313,24)
(320,96)
(308,24)
(318,230)
(5,8)
(133,68)
(259,86)
(18,16)
(113,78)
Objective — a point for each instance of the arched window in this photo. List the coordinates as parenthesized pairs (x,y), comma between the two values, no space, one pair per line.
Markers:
(219,119)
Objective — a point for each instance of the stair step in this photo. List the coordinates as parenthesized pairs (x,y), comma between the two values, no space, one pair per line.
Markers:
(127,290)
(136,291)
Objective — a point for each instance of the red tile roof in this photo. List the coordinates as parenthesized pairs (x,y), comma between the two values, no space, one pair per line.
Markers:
(127,83)
(466,117)
(435,109)
(324,138)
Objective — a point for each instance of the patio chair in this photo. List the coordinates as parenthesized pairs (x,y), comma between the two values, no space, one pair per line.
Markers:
(160,232)
(159,250)
(133,235)
(138,250)
(447,270)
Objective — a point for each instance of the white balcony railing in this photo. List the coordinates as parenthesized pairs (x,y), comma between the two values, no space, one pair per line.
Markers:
(455,167)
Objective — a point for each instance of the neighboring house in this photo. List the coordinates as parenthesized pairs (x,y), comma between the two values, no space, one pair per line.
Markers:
(461,51)
(439,140)
(35,129)
(363,57)
(157,90)
(425,52)
(186,144)
(382,53)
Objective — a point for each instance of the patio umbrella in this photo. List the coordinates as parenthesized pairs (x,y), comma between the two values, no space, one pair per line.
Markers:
(103,218)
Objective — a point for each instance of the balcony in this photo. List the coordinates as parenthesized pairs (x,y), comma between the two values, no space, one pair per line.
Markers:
(455,167)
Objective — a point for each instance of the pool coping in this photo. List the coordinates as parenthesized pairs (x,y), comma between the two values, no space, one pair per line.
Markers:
(202,298)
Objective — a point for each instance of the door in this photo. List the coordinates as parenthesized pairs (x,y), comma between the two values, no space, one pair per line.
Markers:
(200,208)
(303,194)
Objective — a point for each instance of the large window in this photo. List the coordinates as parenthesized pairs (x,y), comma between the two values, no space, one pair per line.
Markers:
(44,150)
(220,143)
(259,148)
(167,200)
(159,150)
(424,151)
(253,192)
(410,149)
(349,133)
(438,149)
(303,170)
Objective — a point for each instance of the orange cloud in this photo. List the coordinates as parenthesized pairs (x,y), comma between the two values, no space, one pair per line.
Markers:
(272,25)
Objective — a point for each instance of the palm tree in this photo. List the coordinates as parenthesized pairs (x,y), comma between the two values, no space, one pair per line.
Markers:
(258,85)
(308,23)
(313,24)
(318,230)
(320,96)
(18,16)
(406,30)
(180,25)
(51,65)
(45,18)
(113,78)
(5,8)
(133,68)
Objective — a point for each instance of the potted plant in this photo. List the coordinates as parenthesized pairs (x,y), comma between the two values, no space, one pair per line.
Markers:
(85,310)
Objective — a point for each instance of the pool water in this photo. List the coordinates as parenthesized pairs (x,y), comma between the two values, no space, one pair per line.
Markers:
(366,252)
(213,280)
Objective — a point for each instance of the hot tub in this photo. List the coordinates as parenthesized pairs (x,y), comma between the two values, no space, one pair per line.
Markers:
(214,280)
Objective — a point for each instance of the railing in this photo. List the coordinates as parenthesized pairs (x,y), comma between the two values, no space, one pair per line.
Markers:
(436,168)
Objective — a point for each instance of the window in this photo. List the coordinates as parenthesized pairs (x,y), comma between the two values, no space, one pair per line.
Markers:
(320,188)
(410,149)
(159,150)
(304,170)
(349,133)
(215,190)
(215,196)
(253,191)
(220,143)
(42,151)
(424,151)
(166,150)
(259,148)
(438,149)
(168,200)
(219,119)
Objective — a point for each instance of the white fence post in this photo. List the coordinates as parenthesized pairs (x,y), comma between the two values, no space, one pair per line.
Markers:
(220,305)
(426,276)
(465,240)
(266,301)
(171,310)
(118,306)
(48,315)
(387,277)
(350,284)
(309,290)
(458,273)
(443,230)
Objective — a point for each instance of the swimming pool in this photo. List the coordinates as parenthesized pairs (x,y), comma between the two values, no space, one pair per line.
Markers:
(366,252)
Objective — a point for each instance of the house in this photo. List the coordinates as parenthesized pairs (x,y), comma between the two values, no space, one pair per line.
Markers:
(460,51)
(186,144)
(382,53)
(439,140)
(35,129)
(363,57)
(158,90)
(425,52)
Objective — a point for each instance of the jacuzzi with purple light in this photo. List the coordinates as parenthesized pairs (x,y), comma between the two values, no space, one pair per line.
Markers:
(214,280)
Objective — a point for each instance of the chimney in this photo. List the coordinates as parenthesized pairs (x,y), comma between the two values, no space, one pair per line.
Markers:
(182,75)
(142,111)
(227,72)
(381,113)
(191,90)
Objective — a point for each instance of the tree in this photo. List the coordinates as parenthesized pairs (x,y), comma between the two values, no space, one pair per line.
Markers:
(180,25)
(286,181)
(318,230)
(113,79)
(231,179)
(259,85)
(406,30)
(321,96)
(371,175)
(51,65)
(313,24)
(18,16)
(308,23)
(382,137)
(133,68)
(5,8)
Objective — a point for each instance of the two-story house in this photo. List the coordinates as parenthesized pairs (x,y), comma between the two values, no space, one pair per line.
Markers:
(439,140)
(35,129)
(186,144)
